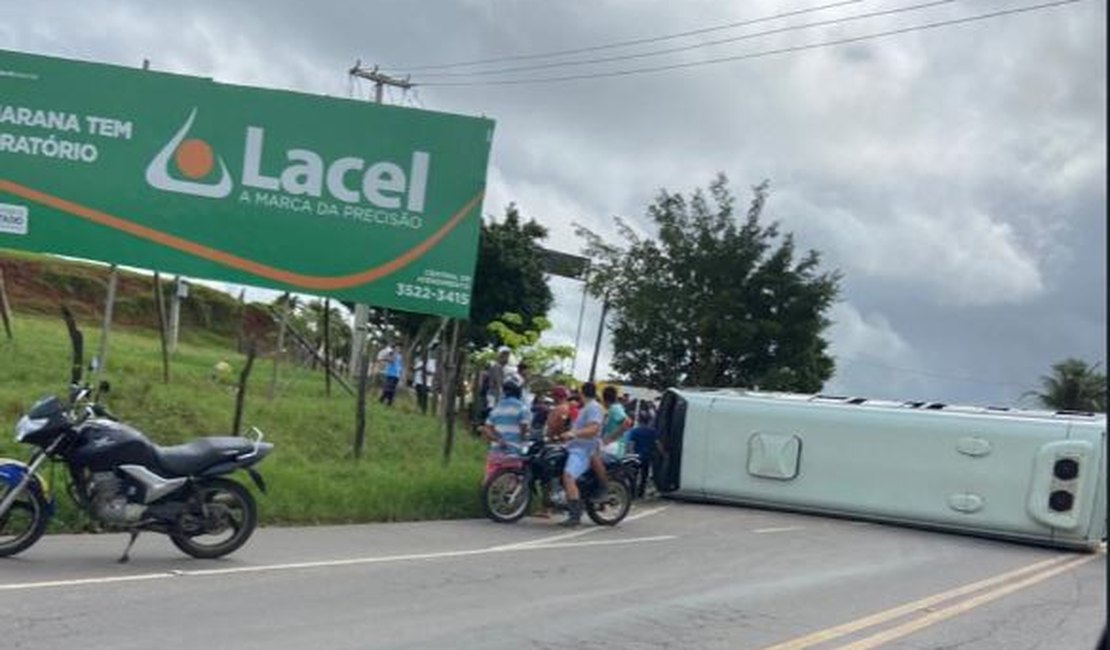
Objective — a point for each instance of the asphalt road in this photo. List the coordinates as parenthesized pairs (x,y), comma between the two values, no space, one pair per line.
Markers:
(674,575)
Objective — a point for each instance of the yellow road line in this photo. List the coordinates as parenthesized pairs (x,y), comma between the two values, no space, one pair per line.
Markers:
(953,610)
(844,629)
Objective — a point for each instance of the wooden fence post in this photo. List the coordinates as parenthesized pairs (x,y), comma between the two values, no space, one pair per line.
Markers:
(327,346)
(5,307)
(360,408)
(451,392)
(240,395)
(241,335)
(106,328)
(299,338)
(280,344)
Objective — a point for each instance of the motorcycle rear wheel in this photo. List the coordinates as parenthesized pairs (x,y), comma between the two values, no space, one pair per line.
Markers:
(614,509)
(216,507)
(24,523)
(506,496)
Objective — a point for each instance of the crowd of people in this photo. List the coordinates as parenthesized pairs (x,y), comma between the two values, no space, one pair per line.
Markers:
(586,426)
(509,412)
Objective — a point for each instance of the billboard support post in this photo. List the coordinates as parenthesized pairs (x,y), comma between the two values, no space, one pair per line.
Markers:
(358,338)
(160,302)
(175,311)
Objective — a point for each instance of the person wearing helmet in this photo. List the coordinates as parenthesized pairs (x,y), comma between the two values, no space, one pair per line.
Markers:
(506,425)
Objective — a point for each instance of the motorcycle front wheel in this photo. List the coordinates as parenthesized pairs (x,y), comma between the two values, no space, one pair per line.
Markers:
(24,523)
(219,518)
(615,508)
(505,496)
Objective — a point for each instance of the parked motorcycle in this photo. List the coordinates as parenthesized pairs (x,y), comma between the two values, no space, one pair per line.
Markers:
(508,493)
(123,481)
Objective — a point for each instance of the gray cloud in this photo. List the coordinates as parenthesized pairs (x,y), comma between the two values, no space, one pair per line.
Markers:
(957,176)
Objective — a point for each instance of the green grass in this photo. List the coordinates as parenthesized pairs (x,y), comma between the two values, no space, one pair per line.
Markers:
(311,475)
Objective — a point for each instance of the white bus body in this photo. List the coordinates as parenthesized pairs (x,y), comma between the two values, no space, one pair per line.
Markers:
(1033,476)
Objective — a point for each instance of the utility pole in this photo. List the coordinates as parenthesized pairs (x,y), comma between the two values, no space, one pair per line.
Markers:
(578,334)
(600,333)
(380,79)
(359,359)
(362,311)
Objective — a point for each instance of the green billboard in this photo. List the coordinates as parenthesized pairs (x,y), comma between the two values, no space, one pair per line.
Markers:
(365,202)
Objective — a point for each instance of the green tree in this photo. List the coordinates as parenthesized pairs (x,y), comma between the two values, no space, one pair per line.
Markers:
(1074,385)
(524,341)
(710,301)
(510,275)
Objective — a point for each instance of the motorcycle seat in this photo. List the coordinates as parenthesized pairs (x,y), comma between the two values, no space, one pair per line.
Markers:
(194,457)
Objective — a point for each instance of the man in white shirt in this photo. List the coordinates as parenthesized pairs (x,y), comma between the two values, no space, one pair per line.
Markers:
(423,376)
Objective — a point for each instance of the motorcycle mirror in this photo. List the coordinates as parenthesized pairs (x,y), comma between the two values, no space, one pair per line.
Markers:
(104,387)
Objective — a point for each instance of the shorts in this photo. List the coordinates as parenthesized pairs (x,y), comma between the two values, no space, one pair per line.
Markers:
(578,460)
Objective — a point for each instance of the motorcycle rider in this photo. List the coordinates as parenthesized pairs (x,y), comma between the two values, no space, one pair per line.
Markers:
(583,453)
(507,422)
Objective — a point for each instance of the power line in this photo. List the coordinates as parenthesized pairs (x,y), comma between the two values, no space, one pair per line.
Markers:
(618,44)
(757,55)
(686,48)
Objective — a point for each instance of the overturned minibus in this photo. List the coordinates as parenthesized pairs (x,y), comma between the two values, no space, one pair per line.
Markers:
(1032,476)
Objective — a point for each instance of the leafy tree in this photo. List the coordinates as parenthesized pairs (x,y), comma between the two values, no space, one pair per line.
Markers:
(1074,385)
(524,341)
(710,301)
(509,276)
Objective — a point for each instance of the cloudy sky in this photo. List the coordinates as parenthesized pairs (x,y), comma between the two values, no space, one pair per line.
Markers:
(956,175)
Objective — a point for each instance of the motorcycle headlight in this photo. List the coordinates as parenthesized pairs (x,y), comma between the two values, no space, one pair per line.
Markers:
(26,426)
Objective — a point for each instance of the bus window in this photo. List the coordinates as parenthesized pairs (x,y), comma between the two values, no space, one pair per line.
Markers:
(671,422)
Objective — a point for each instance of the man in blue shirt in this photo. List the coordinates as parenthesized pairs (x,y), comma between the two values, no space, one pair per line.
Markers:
(643,440)
(392,377)
(581,448)
(507,422)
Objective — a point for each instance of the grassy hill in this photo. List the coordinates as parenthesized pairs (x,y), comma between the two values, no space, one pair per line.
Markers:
(312,475)
(39,284)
